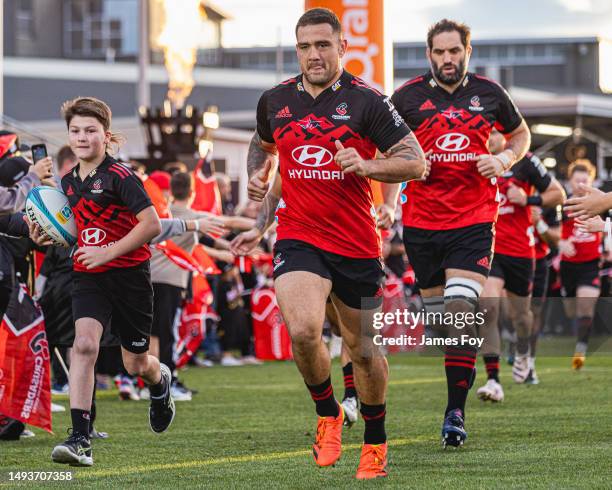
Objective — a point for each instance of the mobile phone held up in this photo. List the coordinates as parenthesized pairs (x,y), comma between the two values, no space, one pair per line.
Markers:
(39,152)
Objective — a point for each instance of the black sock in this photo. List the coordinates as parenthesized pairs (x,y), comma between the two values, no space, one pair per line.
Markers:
(374,418)
(323,396)
(80,421)
(492,366)
(459,366)
(158,389)
(92,412)
(349,382)
(584,328)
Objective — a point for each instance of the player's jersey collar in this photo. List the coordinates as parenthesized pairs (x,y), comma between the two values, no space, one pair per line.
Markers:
(75,171)
(343,81)
(431,82)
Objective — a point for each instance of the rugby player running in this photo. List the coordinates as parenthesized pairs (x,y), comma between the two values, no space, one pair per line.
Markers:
(449,218)
(513,265)
(326,125)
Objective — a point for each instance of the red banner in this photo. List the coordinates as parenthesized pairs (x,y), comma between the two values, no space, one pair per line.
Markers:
(205,260)
(157,198)
(180,256)
(393,301)
(207,196)
(192,320)
(25,378)
(191,330)
(272,341)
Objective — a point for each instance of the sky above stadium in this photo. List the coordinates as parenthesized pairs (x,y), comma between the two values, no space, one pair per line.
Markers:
(262,22)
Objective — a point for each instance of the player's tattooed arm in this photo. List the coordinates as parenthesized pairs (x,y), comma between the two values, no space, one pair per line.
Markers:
(246,242)
(265,218)
(261,159)
(259,152)
(408,148)
(266,214)
(404,161)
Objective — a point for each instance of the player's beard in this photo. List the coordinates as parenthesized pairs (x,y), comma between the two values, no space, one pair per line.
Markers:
(460,71)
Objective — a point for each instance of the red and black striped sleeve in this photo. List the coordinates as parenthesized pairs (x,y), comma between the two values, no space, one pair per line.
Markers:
(129,188)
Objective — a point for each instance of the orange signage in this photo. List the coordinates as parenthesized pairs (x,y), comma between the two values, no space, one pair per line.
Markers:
(363,28)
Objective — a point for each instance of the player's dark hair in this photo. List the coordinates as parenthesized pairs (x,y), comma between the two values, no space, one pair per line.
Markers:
(446,25)
(181,185)
(319,16)
(582,165)
(91,107)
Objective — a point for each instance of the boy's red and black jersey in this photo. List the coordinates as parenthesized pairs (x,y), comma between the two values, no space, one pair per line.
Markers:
(320,204)
(105,206)
(456,128)
(587,245)
(514,231)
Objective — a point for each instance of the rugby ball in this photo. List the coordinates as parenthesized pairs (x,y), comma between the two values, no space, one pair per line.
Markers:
(49,208)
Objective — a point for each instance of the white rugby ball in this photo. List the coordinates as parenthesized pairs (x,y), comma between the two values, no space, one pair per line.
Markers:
(49,208)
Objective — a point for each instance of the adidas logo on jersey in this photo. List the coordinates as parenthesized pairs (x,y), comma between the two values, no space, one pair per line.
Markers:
(284,112)
(484,262)
(427,106)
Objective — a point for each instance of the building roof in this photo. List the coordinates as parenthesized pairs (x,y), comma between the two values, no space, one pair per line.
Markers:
(550,104)
(518,40)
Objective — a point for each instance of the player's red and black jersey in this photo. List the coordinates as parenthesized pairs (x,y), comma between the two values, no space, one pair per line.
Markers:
(321,205)
(456,127)
(587,245)
(105,206)
(514,231)
(552,217)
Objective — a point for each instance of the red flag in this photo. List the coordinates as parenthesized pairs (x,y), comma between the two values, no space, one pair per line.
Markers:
(394,300)
(191,322)
(207,195)
(263,259)
(272,341)
(180,257)
(199,253)
(201,289)
(244,264)
(157,197)
(25,380)
(198,261)
(191,329)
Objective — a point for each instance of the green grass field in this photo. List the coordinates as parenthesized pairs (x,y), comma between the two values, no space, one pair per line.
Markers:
(251,427)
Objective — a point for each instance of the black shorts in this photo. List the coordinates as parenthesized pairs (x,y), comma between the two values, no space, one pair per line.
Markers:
(122,298)
(540,278)
(352,279)
(576,274)
(516,272)
(431,252)
(166,303)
